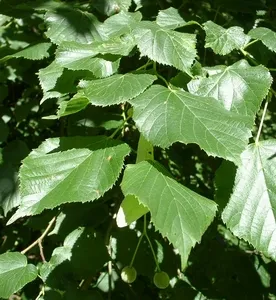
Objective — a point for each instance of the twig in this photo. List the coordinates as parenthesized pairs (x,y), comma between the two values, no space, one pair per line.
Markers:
(39,240)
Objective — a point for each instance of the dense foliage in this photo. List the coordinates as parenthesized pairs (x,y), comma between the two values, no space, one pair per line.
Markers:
(138,150)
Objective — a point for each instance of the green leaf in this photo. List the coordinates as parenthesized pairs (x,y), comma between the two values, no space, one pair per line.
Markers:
(239,87)
(115,89)
(34,52)
(266,36)
(75,56)
(4,131)
(223,41)
(70,258)
(165,116)
(130,209)
(69,169)
(250,213)
(74,105)
(177,213)
(119,24)
(72,25)
(15,273)
(166,46)
(170,18)
(111,7)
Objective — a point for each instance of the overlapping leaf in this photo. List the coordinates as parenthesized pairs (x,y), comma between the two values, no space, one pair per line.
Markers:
(115,89)
(266,35)
(131,209)
(72,25)
(166,46)
(34,52)
(170,18)
(15,273)
(68,170)
(111,7)
(239,87)
(251,211)
(119,24)
(75,56)
(223,41)
(166,116)
(70,256)
(178,213)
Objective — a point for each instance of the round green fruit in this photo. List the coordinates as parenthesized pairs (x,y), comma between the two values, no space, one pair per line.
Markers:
(161,280)
(128,274)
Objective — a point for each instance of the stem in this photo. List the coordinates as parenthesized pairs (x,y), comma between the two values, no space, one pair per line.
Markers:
(262,122)
(39,240)
(135,252)
(158,75)
(119,128)
(150,244)
(250,43)
(148,63)
(272,69)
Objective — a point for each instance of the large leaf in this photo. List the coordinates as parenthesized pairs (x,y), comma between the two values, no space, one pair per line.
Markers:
(119,24)
(165,116)
(72,25)
(223,41)
(115,89)
(266,35)
(251,211)
(166,46)
(178,213)
(170,18)
(34,52)
(15,273)
(73,169)
(239,87)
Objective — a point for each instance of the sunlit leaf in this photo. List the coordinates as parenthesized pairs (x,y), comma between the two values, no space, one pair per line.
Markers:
(250,213)
(165,116)
(15,273)
(178,213)
(265,35)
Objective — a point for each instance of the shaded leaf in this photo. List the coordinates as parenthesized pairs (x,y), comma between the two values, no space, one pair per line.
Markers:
(166,46)
(69,169)
(111,7)
(115,89)
(69,258)
(74,105)
(170,18)
(165,116)
(265,35)
(33,52)
(15,273)
(178,213)
(250,213)
(239,87)
(71,25)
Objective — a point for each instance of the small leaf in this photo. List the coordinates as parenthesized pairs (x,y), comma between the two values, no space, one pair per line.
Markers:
(69,169)
(15,273)
(69,257)
(166,116)
(130,209)
(266,36)
(166,46)
(72,25)
(170,18)
(239,87)
(178,213)
(33,52)
(74,105)
(115,89)
(250,213)
(119,24)
(111,7)
(223,41)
